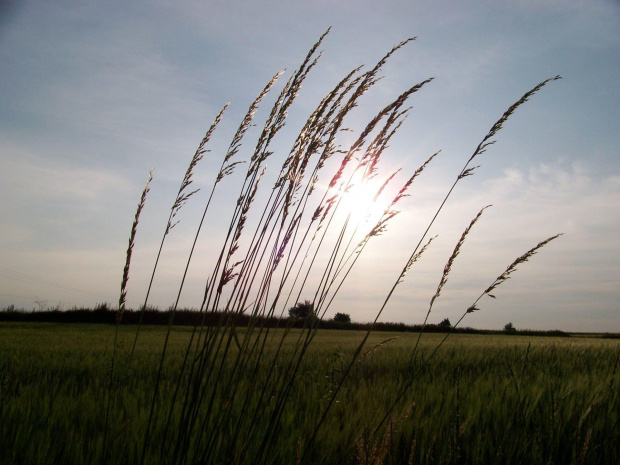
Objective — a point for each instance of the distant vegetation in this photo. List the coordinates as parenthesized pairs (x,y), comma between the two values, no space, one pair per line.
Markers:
(190,317)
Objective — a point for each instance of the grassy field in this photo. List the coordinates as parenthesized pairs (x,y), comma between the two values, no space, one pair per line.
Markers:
(481,398)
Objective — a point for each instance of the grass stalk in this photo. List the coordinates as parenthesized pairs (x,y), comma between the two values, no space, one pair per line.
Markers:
(230,379)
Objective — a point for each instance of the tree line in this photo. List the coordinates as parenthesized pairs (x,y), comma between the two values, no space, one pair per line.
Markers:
(298,316)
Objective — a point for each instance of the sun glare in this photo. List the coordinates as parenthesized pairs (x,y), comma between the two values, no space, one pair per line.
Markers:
(359,201)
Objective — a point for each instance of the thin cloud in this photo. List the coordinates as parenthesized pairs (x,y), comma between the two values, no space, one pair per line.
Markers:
(29,178)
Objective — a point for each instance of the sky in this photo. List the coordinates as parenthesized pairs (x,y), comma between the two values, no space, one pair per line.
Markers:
(95,94)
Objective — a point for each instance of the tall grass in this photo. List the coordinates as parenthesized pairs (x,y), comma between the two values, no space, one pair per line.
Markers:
(284,241)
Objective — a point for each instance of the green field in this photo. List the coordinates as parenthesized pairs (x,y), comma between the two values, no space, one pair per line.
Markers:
(480,399)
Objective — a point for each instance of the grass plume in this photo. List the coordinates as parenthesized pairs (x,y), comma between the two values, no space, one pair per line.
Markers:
(287,237)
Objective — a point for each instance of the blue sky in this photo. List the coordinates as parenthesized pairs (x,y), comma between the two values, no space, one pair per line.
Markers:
(95,94)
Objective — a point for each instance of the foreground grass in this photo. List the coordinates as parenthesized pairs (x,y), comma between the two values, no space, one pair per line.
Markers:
(482,399)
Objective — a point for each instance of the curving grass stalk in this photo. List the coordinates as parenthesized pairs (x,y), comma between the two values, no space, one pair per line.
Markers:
(466,171)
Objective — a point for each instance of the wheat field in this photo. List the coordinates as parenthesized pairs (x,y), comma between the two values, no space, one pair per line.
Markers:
(483,399)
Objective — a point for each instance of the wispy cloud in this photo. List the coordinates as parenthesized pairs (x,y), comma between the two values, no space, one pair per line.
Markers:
(27,177)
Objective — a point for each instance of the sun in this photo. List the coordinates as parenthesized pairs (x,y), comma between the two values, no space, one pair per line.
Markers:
(359,201)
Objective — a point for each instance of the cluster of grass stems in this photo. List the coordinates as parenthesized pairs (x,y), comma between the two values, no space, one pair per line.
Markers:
(289,242)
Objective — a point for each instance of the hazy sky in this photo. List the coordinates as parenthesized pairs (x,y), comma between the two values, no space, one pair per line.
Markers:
(95,94)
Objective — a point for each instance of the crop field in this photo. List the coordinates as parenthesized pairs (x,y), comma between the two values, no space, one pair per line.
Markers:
(479,399)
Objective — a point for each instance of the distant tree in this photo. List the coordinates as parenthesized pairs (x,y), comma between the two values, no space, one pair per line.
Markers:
(301,310)
(509,328)
(41,304)
(103,307)
(445,324)
(342,318)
